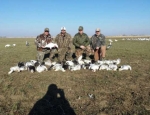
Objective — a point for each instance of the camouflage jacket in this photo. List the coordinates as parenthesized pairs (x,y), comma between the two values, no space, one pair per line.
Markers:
(42,40)
(97,41)
(79,40)
(63,41)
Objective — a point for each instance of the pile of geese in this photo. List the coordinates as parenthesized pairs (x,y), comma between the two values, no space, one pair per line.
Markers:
(72,65)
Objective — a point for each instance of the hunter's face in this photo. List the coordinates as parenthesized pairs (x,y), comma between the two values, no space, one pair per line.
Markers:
(97,32)
(46,33)
(63,31)
(81,31)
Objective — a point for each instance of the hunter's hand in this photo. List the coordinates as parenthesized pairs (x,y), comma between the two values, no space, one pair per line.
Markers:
(97,48)
(42,46)
(82,47)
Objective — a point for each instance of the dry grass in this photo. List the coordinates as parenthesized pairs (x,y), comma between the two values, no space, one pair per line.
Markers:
(115,93)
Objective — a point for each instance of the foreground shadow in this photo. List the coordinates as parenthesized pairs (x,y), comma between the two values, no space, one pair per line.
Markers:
(53,103)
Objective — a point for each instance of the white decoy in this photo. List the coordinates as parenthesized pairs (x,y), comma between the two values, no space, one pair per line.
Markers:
(27,43)
(108,47)
(110,40)
(7,45)
(14,45)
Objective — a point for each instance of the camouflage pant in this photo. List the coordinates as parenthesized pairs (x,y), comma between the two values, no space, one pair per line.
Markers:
(79,51)
(64,54)
(52,54)
(99,53)
(42,54)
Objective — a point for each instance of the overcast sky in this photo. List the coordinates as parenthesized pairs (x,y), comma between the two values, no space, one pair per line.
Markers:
(113,17)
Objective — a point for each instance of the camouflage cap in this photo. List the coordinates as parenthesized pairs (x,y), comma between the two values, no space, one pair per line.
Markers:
(46,29)
(97,29)
(80,28)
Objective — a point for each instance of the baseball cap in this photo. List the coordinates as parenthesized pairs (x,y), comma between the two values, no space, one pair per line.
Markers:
(46,29)
(80,28)
(63,28)
(97,29)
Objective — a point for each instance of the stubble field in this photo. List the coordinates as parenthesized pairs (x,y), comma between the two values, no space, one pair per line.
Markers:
(113,92)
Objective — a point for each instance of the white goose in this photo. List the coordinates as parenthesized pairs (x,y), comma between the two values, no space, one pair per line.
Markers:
(51,45)
(41,68)
(94,67)
(124,67)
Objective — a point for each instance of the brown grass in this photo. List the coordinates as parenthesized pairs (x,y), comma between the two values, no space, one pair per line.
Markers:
(115,93)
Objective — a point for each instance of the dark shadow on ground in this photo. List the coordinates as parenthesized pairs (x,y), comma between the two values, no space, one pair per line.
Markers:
(46,56)
(73,55)
(53,103)
(84,56)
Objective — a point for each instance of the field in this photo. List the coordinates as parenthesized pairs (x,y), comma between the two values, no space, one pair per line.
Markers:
(114,92)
